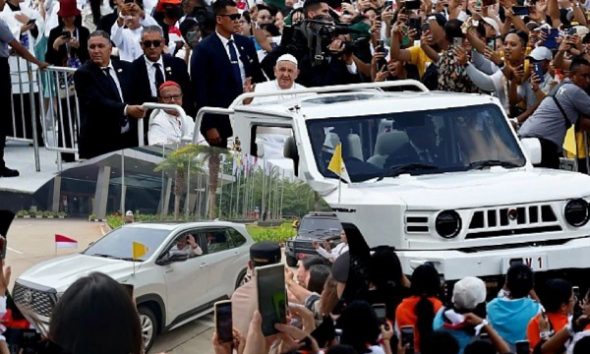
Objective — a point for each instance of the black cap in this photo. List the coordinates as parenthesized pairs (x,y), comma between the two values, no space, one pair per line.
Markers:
(265,252)
(341,267)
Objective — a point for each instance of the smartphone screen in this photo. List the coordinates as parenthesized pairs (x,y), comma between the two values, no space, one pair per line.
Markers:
(457,41)
(520,10)
(380,312)
(272,298)
(407,334)
(551,40)
(522,347)
(539,71)
(576,291)
(223,321)
(412,5)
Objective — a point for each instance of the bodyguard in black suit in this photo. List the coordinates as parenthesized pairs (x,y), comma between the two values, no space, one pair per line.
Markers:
(221,64)
(103,86)
(153,68)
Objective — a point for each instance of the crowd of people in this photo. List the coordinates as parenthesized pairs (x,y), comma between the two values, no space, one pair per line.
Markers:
(363,303)
(129,52)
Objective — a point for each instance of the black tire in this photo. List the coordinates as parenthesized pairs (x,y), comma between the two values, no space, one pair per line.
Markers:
(291,261)
(241,280)
(147,317)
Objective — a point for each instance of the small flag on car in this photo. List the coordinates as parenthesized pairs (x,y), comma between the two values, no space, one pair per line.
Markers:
(336,164)
(139,249)
(62,241)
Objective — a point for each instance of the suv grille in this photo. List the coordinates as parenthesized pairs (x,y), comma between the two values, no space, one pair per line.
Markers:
(518,220)
(303,247)
(416,224)
(40,302)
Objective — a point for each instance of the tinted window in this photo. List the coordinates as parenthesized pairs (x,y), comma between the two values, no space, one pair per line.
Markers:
(118,243)
(234,238)
(215,240)
(319,223)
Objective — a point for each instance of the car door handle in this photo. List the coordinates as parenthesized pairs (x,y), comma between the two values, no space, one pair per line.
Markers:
(202,265)
(169,270)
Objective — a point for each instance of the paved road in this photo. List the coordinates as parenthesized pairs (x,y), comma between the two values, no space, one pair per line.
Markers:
(31,241)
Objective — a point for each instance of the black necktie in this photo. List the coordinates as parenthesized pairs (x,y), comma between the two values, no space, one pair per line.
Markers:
(159,76)
(233,56)
(112,82)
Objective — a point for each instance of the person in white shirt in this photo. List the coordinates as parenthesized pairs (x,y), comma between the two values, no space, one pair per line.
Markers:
(126,31)
(186,245)
(167,126)
(286,73)
(332,254)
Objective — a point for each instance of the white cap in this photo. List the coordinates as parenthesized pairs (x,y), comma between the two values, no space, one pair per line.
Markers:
(581,31)
(490,21)
(289,58)
(541,53)
(129,213)
(468,293)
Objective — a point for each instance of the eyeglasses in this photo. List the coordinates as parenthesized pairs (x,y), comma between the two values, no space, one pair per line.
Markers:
(171,97)
(233,17)
(154,44)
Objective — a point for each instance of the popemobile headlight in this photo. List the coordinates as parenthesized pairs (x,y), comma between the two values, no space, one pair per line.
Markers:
(576,212)
(448,224)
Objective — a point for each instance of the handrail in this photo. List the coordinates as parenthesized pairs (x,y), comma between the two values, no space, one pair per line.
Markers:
(155,105)
(335,88)
(202,112)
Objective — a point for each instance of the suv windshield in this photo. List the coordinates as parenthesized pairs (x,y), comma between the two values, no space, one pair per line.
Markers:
(118,243)
(314,224)
(418,142)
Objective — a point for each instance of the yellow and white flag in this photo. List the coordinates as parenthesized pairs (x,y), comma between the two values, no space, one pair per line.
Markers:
(139,250)
(336,164)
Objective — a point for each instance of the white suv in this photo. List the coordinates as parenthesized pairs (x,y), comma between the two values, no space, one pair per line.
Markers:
(440,176)
(170,289)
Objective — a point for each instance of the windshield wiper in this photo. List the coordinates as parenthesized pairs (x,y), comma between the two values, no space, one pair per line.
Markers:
(114,257)
(102,255)
(478,165)
(407,168)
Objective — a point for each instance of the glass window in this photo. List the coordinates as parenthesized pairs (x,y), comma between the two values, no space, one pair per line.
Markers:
(216,240)
(419,142)
(118,243)
(235,239)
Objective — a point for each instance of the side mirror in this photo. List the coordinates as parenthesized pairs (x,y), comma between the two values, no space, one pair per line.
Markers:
(532,149)
(172,258)
(290,152)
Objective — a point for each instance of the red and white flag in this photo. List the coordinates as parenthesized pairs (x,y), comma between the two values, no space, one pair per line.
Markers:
(62,241)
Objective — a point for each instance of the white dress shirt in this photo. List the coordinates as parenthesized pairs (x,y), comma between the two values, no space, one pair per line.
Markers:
(336,252)
(167,129)
(151,70)
(224,41)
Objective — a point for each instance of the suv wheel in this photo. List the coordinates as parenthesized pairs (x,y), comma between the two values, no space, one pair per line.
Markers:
(291,261)
(149,326)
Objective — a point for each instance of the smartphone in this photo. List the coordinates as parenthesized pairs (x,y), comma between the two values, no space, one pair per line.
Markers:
(416,24)
(412,4)
(522,347)
(31,21)
(492,44)
(575,290)
(272,296)
(337,335)
(67,34)
(407,334)
(3,247)
(551,39)
(458,42)
(539,71)
(223,321)
(520,10)
(380,312)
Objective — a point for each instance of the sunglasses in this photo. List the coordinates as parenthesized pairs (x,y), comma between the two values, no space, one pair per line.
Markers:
(154,44)
(233,17)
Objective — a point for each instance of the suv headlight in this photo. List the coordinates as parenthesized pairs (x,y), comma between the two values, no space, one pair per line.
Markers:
(448,223)
(576,212)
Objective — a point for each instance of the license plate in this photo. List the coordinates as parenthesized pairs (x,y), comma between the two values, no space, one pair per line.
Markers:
(536,262)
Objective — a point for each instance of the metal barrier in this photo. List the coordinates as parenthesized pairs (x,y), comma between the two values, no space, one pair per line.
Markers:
(61,112)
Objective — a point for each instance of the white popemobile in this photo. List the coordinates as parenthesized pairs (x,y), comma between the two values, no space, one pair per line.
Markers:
(442,177)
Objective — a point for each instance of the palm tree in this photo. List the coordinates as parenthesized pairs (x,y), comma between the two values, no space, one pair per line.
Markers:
(180,163)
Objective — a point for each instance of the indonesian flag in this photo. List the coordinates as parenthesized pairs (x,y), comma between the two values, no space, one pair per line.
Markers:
(62,241)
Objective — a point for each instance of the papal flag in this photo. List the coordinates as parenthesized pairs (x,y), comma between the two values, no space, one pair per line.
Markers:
(139,250)
(336,164)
